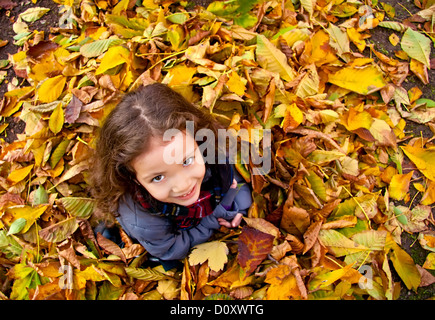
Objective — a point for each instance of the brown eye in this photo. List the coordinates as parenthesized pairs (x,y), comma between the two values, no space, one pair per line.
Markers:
(158,178)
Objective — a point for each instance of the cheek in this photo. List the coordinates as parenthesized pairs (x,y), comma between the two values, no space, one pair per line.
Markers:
(157,192)
(199,171)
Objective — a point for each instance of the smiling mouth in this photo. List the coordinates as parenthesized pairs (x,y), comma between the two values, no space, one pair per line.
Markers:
(187,195)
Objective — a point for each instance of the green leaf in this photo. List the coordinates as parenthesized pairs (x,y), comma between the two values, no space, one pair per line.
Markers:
(147,274)
(40,196)
(58,153)
(317,185)
(78,207)
(429,103)
(108,291)
(222,8)
(9,245)
(393,25)
(246,20)
(94,49)
(400,216)
(17,226)
(33,14)
(417,46)
(338,244)
(178,18)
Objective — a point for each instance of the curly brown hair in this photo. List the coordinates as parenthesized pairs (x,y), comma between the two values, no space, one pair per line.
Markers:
(140,115)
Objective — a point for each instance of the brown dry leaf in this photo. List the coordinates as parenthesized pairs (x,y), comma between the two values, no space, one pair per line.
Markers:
(310,236)
(110,247)
(295,220)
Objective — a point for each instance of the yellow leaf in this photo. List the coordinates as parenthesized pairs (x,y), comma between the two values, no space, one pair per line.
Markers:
(355,119)
(399,185)
(419,187)
(394,39)
(272,59)
(360,80)
(150,4)
(57,118)
(430,261)
(424,159)
(168,289)
(420,70)
(294,35)
(356,38)
(114,57)
(31,214)
(429,196)
(215,252)
(293,117)
(283,291)
(325,279)
(318,49)
(235,84)
(51,89)
(309,84)
(121,6)
(233,277)
(180,75)
(405,267)
(19,174)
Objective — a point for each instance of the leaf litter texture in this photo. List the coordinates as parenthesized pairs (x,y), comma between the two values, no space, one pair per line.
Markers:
(333,205)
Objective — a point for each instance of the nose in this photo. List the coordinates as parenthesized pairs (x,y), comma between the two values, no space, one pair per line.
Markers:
(181,183)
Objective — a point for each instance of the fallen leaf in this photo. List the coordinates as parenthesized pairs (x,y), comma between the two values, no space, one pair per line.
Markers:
(417,46)
(215,252)
(405,267)
(59,231)
(33,14)
(423,158)
(254,246)
(57,119)
(272,59)
(363,81)
(399,185)
(51,89)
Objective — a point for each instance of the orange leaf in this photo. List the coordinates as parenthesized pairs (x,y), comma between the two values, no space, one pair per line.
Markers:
(399,185)
(254,246)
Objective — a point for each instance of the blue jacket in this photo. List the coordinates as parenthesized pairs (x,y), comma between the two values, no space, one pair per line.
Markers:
(156,234)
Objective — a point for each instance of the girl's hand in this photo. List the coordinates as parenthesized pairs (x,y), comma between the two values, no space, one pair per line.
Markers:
(233,223)
(234,184)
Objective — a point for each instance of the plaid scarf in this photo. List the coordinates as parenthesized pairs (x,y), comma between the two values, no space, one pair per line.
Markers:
(183,217)
(218,180)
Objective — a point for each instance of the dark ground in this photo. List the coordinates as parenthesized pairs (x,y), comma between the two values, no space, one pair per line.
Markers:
(379,39)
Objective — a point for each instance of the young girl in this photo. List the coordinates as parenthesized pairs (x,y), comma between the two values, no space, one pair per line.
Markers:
(168,205)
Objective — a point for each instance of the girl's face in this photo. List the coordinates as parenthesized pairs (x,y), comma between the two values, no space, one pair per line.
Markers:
(173,171)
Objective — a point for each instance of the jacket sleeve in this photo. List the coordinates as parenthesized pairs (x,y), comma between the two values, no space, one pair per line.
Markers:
(236,200)
(155,232)
(243,199)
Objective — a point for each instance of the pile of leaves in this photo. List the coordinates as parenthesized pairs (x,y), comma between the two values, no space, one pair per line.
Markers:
(327,219)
